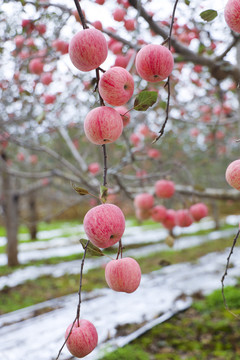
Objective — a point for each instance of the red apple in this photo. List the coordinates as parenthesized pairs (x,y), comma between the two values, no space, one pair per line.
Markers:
(144,201)
(103,125)
(183,218)
(88,49)
(116,86)
(83,338)
(123,275)
(154,62)
(36,66)
(159,213)
(104,225)
(232,15)
(94,168)
(198,211)
(233,174)
(164,188)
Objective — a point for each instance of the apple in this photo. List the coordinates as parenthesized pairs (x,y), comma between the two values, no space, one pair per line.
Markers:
(94,168)
(164,188)
(135,139)
(49,99)
(159,213)
(88,49)
(198,211)
(116,86)
(19,41)
(233,174)
(170,220)
(123,275)
(119,14)
(104,225)
(41,28)
(36,66)
(154,153)
(130,24)
(98,25)
(154,62)
(122,110)
(103,125)
(232,15)
(122,61)
(83,338)
(183,218)
(46,78)
(144,201)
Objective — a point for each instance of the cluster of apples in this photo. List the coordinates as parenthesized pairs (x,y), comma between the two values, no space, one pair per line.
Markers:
(104,225)
(165,189)
(88,49)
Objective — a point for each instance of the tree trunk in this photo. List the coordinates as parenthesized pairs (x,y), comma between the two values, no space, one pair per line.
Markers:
(10,208)
(33,217)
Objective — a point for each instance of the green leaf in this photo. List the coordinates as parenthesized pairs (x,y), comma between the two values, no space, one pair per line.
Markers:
(145,99)
(79,190)
(91,249)
(187,2)
(208,15)
(103,193)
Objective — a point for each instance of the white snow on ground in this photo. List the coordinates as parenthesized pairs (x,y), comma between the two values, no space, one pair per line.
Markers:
(41,337)
(64,246)
(72,267)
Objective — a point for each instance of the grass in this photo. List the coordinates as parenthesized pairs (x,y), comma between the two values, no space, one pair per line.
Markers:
(48,287)
(204,332)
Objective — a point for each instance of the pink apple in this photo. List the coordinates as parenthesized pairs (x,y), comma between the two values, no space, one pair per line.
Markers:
(20,157)
(170,220)
(135,139)
(36,66)
(49,99)
(122,61)
(116,86)
(232,15)
(144,201)
(198,211)
(123,275)
(154,63)
(46,78)
(30,42)
(98,25)
(41,28)
(19,41)
(83,338)
(130,24)
(104,225)
(116,48)
(94,168)
(119,14)
(164,188)
(88,49)
(233,174)
(154,153)
(159,213)
(183,218)
(33,159)
(122,110)
(103,125)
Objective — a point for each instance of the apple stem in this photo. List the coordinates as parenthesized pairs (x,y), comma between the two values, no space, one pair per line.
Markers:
(225,274)
(119,249)
(80,13)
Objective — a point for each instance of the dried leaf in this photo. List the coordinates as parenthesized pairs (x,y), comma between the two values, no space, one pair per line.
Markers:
(91,249)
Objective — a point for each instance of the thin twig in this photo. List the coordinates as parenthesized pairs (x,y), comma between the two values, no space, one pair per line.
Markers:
(225,274)
(79,301)
(80,13)
(105,164)
(168,83)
